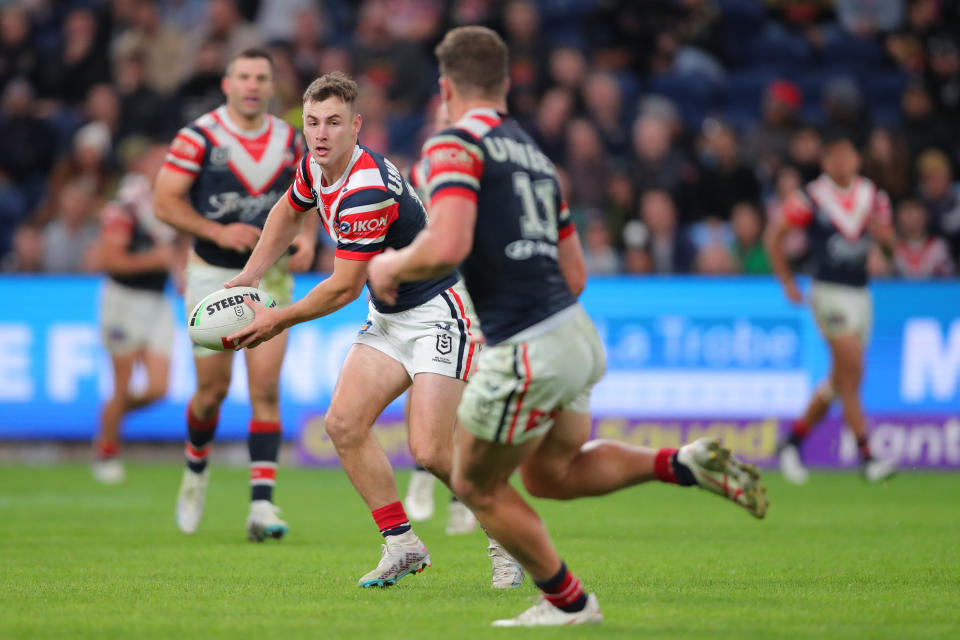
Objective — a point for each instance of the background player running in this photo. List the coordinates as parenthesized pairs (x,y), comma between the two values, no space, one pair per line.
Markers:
(496,208)
(843,213)
(419,340)
(136,322)
(222,174)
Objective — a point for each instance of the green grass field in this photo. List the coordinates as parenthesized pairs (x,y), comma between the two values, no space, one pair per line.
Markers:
(834,559)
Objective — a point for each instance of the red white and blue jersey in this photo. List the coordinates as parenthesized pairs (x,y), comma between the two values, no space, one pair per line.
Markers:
(238,175)
(836,221)
(370,208)
(512,272)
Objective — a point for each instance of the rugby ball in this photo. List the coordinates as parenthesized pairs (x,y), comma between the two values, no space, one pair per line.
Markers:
(222,313)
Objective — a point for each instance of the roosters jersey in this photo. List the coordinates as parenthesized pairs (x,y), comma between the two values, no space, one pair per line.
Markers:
(836,221)
(371,207)
(131,213)
(512,272)
(238,175)
(922,259)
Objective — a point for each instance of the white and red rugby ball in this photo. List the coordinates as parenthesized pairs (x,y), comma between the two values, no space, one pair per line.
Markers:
(223,313)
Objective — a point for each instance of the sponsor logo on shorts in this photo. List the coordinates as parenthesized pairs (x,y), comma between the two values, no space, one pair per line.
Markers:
(444,343)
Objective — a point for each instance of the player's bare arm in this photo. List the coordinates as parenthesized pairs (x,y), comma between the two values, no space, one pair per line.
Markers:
(438,249)
(172,206)
(342,287)
(572,265)
(284,226)
(116,257)
(778,260)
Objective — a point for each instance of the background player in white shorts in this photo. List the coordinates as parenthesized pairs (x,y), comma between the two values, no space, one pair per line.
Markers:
(420,340)
(136,252)
(496,210)
(843,213)
(222,174)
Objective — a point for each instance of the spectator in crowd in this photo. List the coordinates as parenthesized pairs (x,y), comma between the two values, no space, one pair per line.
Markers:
(158,45)
(636,257)
(843,105)
(399,67)
(87,163)
(805,147)
(620,204)
(747,247)
(201,91)
(567,68)
(18,58)
(224,24)
(69,241)
(943,77)
(658,163)
(142,111)
(922,127)
(724,179)
(80,63)
(306,40)
(598,252)
(553,113)
(586,162)
(866,19)
(941,197)
(887,163)
(604,105)
(918,254)
(715,260)
(528,59)
(27,253)
(769,141)
(669,248)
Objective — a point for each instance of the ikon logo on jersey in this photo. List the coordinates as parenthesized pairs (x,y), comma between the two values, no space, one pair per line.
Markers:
(363,226)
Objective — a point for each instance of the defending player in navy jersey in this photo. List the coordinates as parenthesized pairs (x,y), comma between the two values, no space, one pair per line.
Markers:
(496,210)
(136,321)
(419,339)
(223,173)
(844,214)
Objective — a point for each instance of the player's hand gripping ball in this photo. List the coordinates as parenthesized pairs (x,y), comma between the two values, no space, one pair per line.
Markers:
(223,313)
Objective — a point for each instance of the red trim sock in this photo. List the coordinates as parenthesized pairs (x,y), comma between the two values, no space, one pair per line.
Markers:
(107,450)
(392,520)
(564,591)
(199,436)
(863,446)
(663,467)
(263,444)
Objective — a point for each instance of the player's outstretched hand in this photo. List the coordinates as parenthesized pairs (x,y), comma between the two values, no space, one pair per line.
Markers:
(265,325)
(382,278)
(302,257)
(243,279)
(238,236)
(793,292)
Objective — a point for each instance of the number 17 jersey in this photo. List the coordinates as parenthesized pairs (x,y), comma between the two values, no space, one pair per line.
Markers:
(512,272)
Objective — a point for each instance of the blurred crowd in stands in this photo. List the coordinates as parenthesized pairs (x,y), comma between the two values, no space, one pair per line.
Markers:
(678,125)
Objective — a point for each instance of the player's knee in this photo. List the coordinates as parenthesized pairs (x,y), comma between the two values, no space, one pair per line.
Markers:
(469,492)
(266,396)
(432,456)
(211,395)
(344,432)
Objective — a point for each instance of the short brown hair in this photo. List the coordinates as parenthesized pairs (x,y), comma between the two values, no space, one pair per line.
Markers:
(251,54)
(334,84)
(474,59)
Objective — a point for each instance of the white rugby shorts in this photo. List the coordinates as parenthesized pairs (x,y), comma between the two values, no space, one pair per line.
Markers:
(840,309)
(433,337)
(521,384)
(204,278)
(134,319)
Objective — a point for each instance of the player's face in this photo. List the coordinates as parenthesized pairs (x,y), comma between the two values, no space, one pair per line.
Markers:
(841,161)
(248,86)
(330,128)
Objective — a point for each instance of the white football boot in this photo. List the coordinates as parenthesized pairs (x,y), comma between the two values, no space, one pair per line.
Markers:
(544,614)
(263,523)
(193,492)
(507,572)
(878,470)
(791,466)
(109,471)
(461,519)
(400,558)
(419,501)
(716,469)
